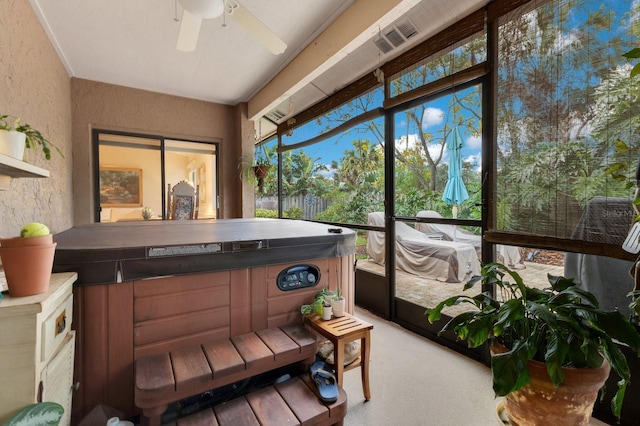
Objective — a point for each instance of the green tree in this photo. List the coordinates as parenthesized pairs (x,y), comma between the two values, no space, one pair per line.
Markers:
(301,174)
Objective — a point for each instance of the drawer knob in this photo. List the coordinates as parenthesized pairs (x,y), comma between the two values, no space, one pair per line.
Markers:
(61,322)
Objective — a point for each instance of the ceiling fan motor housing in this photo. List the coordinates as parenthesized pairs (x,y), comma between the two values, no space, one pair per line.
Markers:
(204,9)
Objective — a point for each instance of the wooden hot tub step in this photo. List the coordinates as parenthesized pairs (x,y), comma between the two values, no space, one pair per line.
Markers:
(293,402)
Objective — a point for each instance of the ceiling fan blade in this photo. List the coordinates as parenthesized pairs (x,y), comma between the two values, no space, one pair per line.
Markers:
(258,30)
(189,31)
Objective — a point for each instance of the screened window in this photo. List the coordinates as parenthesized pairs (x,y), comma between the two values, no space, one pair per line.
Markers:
(346,115)
(443,64)
(337,179)
(438,150)
(564,99)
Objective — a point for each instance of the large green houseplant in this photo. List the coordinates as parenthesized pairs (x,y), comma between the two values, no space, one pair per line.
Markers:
(560,326)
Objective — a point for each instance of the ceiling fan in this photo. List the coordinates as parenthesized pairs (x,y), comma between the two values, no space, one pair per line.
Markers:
(197,10)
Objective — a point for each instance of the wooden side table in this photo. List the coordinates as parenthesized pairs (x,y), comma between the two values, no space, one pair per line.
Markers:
(340,331)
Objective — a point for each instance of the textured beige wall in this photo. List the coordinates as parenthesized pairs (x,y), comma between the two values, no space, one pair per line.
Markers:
(247,202)
(34,85)
(104,106)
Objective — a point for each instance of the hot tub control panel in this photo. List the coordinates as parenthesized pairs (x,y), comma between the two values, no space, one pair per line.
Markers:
(298,276)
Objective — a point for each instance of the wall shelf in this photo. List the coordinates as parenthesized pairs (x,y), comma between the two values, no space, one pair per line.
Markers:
(9,166)
(12,168)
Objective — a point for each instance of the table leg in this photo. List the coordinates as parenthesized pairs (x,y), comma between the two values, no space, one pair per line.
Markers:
(364,366)
(338,360)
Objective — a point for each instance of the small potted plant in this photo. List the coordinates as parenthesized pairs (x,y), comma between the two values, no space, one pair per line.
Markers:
(327,311)
(544,342)
(321,305)
(261,169)
(16,136)
(338,304)
(256,169)
(147,213)
(28,260)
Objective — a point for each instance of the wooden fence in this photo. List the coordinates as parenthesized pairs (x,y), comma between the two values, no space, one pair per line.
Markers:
(310,205)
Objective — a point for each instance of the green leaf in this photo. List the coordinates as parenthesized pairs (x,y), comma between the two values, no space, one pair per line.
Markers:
(555,356)
(434,314)
(575,299)
(616,359)
(616,402)
(472,282)
(459,320)
(479,331)
(542,312)
(39,414)
(510,312)
(617,326)
(622,148)
(509,370)
(635,70)
(632,54)
(560,283)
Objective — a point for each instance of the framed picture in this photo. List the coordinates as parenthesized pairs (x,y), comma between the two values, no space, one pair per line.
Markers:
(120,187)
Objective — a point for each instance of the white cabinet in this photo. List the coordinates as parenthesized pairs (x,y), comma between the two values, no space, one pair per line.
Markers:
(37,348)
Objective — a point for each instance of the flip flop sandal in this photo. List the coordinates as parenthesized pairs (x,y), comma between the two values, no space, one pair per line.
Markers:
(326,382)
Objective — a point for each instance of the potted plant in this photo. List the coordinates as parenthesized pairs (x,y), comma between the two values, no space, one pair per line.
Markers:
(338,304)
(147,213)
(321,305)
(327,310)
(548,338)
(261,169)
(28,260)
(256,169)
(16,136)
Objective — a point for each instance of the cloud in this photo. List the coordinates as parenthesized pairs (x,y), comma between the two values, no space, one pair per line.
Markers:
(327,173)
(410,142)
(474,142)
(407,142)
(431,117)
(475,160)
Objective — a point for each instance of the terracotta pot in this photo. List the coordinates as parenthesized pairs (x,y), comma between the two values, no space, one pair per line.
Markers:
(539,403)
(23,242)
(28,269)
(261,172)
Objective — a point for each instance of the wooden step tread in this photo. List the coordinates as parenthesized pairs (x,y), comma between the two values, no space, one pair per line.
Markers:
(188,371)
(293,402)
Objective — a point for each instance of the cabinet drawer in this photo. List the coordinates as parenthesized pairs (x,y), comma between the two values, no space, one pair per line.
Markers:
(57,377)
(56,327)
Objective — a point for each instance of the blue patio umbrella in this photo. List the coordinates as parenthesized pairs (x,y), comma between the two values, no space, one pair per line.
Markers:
(455,192)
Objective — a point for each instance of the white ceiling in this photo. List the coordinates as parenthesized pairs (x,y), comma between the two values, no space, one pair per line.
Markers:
(132,43)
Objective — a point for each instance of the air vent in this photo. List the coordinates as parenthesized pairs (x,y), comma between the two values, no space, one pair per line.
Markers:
(275,115)
(383,45)
(395,35)
(406,28)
